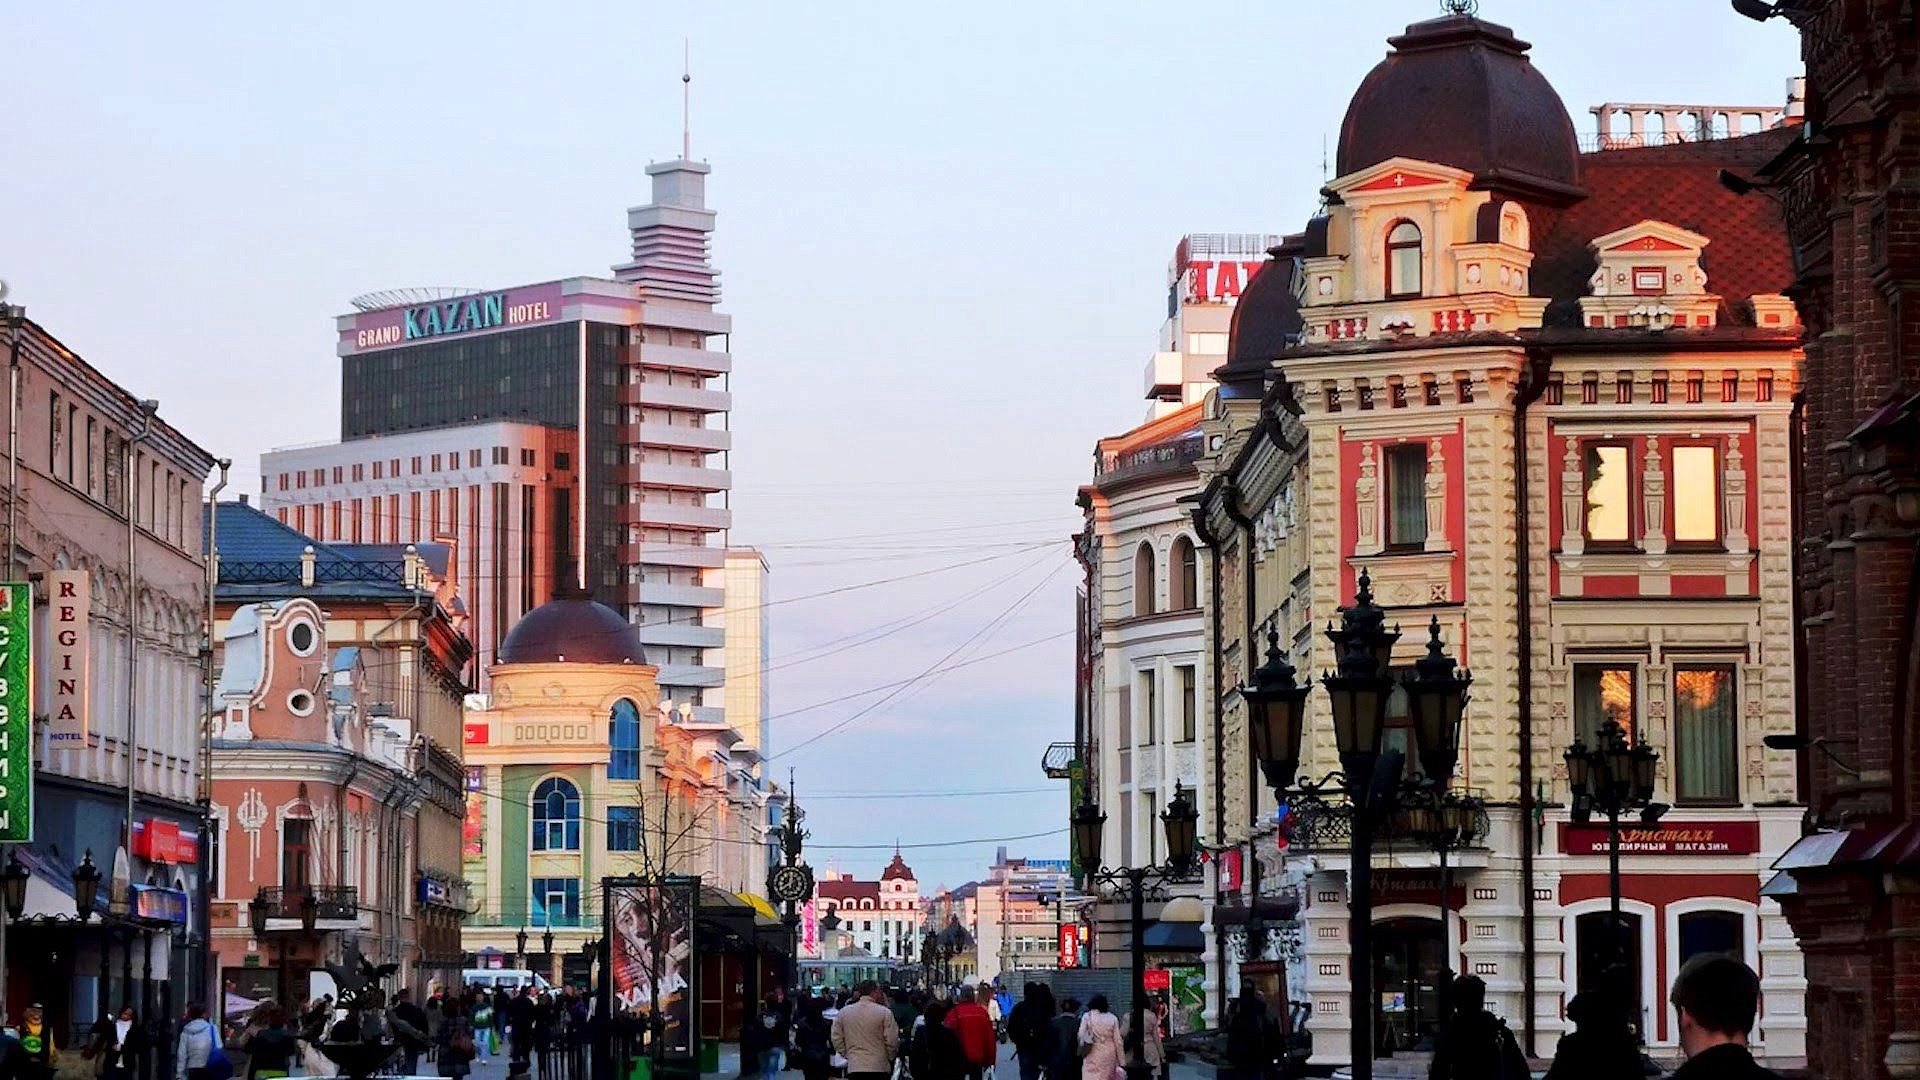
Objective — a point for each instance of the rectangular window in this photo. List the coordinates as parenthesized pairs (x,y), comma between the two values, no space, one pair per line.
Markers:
(1149,708)
(436,463)
(296,853)
(338,472)
(1398,733)
(379,470)
(556,902)
(1706,734)
(56,416)
(528,458)
(623,828)
(1407,495)
(1183,678)
(413,465)
(473,459)
(1153,829)
(1602,692)
(93,471)
(562,461)
(359,472)
(1609,493)
(1696,494)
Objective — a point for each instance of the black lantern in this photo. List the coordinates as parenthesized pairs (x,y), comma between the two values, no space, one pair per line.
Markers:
(1088,823)
(930,948)
(1181,820)
(257,913)
(1276,715)
(86,885)
(520,942)
(15,880)
(1644,759)
(309,910)
(1439,697)
(546,942)
(1579,775)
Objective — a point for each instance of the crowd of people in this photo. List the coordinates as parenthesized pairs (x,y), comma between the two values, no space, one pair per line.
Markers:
(880,1033)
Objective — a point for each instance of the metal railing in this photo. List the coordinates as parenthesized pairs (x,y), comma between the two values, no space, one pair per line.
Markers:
(337,570)
(1160,457)
(330,902)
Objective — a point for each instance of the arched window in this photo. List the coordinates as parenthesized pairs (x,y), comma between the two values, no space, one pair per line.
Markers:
(556,816)
(1403,260)
(623,736)
(1143,580)
(1185,585)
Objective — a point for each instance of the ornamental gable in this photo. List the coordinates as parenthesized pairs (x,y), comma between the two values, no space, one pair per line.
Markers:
(1649,278)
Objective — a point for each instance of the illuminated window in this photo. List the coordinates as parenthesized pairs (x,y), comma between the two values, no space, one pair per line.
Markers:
(1403,260)
(1602,692)
(1407,495)
(1609,515)
(1696,494)
(1705,734)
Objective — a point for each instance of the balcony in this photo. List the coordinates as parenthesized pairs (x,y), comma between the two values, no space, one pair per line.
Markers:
(676,397)
(697,555)
(689,635)
(677,436)
(694,596)
(1172,458)
(675,515)
(335,907)
(683,358)
(682,477)
(691,675)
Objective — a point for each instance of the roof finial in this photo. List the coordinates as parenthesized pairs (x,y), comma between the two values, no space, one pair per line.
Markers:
(1468,8)
(686,100)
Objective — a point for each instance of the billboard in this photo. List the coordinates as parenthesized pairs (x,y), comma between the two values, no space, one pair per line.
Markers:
(653,957)
(473,831)
(16,712)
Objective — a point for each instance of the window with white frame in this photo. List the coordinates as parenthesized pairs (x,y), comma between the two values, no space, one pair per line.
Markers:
(556,816)
(1603,692)
(1706,735)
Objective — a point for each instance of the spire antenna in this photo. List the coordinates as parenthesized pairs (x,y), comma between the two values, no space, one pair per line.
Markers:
(686,100)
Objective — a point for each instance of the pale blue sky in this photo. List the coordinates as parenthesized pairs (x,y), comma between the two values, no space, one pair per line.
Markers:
(943,230)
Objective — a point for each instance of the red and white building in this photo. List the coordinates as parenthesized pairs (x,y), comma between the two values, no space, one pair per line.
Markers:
(1543,397)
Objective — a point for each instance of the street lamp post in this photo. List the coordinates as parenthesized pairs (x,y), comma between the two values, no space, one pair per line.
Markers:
(1614,776)
(1136,885)
(520,948)
(1368,780)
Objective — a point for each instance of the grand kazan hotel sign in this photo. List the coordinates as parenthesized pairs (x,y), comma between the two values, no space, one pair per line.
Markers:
(460,315)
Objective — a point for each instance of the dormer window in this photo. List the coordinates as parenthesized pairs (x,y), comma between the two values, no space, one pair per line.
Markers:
(1403,260)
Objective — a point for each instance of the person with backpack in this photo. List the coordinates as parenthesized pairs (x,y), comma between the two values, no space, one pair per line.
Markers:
(1477,1045)
(1030,1026)
(271,1049)
(197,1056)
(1063,1042)
(457,1048)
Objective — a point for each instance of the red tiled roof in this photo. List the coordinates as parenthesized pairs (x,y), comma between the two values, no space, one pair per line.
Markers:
(1680,185)
(844,889)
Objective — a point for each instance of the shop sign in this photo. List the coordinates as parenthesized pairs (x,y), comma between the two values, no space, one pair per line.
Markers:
(1218,282)
(69,600)
(163,842)
(1414,887)
(473,829)
(160,904)
(16,712)
(1672,838)
(435,891)
(1229,871)
(1157,979)
(1069,945)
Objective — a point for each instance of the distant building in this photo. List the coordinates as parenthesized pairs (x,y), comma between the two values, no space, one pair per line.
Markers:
(748,689)
(881,917)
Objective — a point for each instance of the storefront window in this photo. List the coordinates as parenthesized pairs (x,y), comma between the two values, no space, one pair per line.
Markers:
(1706,735)
(1602,692)
(1712,933)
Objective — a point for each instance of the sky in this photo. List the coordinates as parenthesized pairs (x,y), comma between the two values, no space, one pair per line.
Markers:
(943,235)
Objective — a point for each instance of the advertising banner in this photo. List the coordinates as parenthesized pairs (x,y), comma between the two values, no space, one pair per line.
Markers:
(1069,945)
(16,712)
(1187,1009)
(69,601)
(653,956)
(473,831)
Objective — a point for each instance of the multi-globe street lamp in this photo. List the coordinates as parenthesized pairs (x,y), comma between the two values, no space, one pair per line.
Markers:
(1369,781)
(1615,777)
(1136,885)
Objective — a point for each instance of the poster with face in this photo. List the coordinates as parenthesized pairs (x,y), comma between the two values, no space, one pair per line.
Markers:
(653,956)
(473,832)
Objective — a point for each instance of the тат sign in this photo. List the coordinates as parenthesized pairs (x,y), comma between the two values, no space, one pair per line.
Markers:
(16,712)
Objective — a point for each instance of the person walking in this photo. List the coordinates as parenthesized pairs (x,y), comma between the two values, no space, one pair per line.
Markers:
(936,1053)
(457,1047)
(271,1049)
(1251,1045)
(1099,1041)
(1717,998)
(1477,1045)
(36,1040)
(767,1034)
(117,1044)
(198,1040)
(1153,1049)
(866,1035)
(1601,1046)
(409,1025)
(1063,1043)
(813,1039)
(1030,1027)
(974,1025)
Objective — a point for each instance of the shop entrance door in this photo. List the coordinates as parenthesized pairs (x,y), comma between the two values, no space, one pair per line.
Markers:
(1608,960)
(1406,978)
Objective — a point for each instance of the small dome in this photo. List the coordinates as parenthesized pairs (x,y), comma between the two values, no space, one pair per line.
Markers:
(574,630)
(1458,91)
(897,870)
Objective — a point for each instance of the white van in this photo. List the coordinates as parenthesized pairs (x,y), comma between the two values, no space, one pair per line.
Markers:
(511,979)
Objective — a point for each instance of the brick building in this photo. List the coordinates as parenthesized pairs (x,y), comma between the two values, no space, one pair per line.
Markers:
(1852,886)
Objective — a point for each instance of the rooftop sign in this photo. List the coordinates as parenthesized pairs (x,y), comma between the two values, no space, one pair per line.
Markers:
(407,325)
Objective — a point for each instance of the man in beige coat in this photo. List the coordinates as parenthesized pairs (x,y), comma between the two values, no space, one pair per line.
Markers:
(867,1035)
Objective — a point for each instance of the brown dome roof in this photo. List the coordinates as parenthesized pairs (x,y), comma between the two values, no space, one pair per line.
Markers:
(897,869)
(1459,91)
(574,630)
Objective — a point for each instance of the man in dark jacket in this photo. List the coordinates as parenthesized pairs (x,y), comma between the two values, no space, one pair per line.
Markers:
(1476,1045)
(1717,998)
(409,1023)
